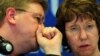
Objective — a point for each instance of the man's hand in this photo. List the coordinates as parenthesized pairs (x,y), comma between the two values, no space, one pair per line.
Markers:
(50,39)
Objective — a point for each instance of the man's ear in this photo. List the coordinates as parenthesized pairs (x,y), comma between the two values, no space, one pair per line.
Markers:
(10,12)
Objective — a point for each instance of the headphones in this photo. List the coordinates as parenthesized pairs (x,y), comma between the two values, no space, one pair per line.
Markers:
(6,47)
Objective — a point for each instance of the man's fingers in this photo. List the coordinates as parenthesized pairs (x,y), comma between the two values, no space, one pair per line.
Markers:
(46,32)
(58,34)
(40,36)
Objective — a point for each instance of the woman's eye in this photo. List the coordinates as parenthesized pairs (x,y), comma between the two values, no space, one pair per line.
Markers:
(74,29)
(88,27)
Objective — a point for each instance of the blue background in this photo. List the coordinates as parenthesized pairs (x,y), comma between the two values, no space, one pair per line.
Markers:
(50,20)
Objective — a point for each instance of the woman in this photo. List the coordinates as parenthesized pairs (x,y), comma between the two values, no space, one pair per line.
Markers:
(79,21)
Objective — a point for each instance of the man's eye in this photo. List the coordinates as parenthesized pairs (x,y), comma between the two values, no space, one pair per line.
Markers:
(38,19)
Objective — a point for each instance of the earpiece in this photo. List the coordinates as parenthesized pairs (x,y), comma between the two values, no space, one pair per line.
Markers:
(6,47)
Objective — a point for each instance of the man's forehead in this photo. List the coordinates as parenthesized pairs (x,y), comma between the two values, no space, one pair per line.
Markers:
(35,8)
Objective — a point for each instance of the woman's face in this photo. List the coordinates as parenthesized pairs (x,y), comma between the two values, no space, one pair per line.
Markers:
(82,36)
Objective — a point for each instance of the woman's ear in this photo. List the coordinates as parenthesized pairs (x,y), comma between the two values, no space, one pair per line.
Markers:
(10,15)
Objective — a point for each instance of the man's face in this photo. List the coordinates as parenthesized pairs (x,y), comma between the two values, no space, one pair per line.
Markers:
(27,23)
(82,36)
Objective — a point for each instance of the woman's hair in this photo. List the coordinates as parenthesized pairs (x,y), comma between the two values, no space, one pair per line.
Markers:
(79,9)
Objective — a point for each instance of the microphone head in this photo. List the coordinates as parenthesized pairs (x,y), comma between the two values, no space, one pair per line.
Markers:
(6,47)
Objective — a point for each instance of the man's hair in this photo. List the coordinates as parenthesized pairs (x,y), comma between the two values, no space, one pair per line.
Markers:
(18,4)
(79,9)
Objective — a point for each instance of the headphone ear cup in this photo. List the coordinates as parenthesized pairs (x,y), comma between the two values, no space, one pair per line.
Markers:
(5,47)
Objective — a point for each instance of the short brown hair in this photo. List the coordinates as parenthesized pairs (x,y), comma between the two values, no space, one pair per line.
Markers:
(4,4)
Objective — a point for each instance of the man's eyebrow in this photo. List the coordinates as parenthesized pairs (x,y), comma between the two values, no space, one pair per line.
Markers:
(38,14)
(34,13)
(20,9)
(30,12)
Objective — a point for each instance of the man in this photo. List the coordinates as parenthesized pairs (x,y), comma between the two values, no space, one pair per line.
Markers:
(21,23)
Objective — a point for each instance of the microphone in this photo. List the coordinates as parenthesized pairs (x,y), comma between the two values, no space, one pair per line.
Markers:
(6,46)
